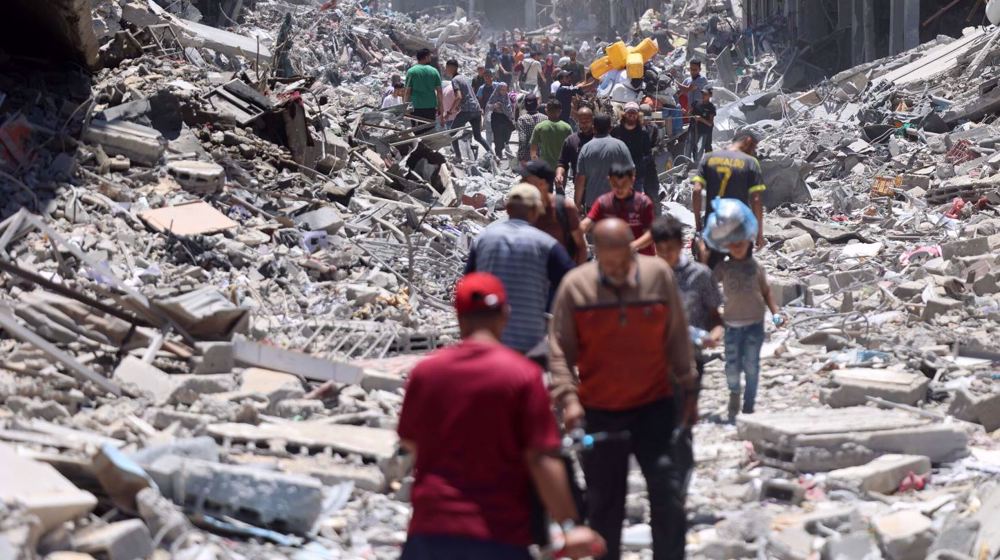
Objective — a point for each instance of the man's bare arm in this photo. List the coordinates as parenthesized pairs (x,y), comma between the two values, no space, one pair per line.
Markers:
(696,202)
(579,186)
(549,474)
(757,204)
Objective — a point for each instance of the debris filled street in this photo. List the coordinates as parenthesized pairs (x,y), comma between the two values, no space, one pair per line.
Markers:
(229,232)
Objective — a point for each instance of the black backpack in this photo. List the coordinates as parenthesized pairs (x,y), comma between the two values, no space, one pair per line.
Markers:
(563,218)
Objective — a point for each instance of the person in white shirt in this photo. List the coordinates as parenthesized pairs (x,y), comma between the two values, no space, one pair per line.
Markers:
(395,96)
(532,73)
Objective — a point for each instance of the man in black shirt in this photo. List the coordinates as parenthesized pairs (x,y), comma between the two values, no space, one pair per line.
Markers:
(635,136)
(703,116)
(575,69)
(572,146)
(730,173)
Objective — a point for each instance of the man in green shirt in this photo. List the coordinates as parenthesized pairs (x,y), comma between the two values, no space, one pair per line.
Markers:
(548,137)
(423,89)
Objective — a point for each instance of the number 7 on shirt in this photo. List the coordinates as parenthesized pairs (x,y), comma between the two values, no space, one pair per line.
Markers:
(727,174)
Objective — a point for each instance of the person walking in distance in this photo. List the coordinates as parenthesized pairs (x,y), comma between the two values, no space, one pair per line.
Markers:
(423,88)
(640,147)
(703,124)
(548,136)
(747,299)
(561,219)
(595,162)
(619,352)
(624,203)
(702,300)
(501,115)
(730,173)
(468,108)
(477,418)
(526,123)
(530,263)
(570,154)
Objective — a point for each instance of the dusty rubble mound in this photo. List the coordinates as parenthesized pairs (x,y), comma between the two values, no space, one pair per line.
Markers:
(209,247)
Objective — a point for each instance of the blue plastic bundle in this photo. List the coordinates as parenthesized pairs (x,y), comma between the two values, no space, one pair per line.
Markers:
(731,221)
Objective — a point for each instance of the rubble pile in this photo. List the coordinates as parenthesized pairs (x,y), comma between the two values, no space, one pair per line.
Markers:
(879,438)
(219,257)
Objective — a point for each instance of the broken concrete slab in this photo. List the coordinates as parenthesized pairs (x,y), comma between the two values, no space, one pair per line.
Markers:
(374,443)
(853,385)
(144,378)
(189,388)
(50,497)
(141,144)
(785,180)
(206,313)
(326,219)
(249,353)
(221,40)
(325,469)
(938,306)
(883,475)
(983,409)
(257,496)
(972,247)
(904,535)
(194,218)
(198,177)
(821,439)
(124,540)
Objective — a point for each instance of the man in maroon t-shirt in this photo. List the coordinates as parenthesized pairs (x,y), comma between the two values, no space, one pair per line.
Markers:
(623,202)
(479,421)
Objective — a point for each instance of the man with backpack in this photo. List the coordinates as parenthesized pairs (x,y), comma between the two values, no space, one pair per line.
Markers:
(561,219)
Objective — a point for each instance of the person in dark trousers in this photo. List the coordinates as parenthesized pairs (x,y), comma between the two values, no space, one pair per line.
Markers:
(730,173)
(571,147)
(624,203)
(501,112)
(526,123)
(703,117)
(702,300)
(530,263)
(423,88)
(479,422)
(561,219)
(548,136)
(468,108)
(595,162)
(619,352)
(634,134)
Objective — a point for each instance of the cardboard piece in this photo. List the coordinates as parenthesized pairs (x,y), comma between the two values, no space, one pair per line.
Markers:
(195,218)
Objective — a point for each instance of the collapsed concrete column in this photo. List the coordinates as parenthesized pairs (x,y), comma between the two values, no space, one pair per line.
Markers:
(904,26)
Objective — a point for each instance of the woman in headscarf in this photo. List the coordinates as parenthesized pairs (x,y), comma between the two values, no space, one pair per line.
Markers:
(548,74)
(502,117)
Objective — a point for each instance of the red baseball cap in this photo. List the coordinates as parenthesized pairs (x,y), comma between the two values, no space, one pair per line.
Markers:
(479,291)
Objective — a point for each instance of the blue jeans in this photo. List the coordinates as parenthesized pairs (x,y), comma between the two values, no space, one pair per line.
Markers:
(743,356)
(444,547)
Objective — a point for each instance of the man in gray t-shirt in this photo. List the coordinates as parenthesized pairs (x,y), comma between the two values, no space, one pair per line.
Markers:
(596,161)
(468,108)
